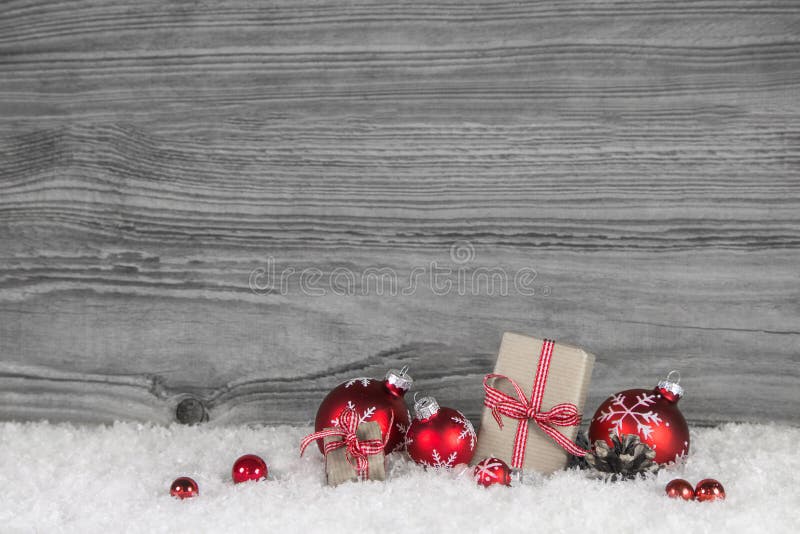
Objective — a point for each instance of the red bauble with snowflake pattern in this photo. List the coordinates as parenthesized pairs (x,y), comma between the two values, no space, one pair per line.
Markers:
(439,436)
(373,400)
(492,471)
(651,414)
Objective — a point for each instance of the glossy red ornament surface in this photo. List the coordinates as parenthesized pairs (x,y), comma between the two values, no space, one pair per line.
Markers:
(184,488)
(248,467)
(444,439)
(492,471)
(709,489)
(680,489)
(648,413)
(374,400)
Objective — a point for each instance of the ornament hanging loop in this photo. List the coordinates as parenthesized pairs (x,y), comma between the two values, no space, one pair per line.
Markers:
(674,376)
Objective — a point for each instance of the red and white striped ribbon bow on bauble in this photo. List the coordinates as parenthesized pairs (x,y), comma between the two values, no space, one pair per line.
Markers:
(523,410)
(357,451)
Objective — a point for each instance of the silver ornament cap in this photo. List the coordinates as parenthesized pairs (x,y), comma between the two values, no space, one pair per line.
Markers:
(670,387)
(399,378)
(425,408)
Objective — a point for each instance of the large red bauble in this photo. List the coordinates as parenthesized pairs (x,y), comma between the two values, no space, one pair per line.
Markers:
(492,471)
(248,467)
(184,488)
(651,414)
(373,400)
(439,436)
(709,489)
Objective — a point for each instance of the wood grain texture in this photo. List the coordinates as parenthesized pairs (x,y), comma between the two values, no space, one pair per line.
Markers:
(641,157)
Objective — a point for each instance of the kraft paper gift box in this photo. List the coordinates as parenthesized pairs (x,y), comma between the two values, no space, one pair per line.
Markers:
(567,381)
(339,470)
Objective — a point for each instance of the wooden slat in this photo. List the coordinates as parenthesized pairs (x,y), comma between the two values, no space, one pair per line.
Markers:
(640,157)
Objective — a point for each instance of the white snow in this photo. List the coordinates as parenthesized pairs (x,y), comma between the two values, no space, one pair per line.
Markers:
(64,478)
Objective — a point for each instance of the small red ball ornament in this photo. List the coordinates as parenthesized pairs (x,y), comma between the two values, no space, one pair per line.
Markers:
(709,489)
(184,488)
(248,467)
(653,415)
(680,489)
(439,436)
(373,400)
(492,471)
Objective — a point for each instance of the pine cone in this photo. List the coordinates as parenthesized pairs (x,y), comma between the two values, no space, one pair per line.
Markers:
(628,458)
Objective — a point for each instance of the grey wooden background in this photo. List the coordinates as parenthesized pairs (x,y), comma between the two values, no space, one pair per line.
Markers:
(641,157)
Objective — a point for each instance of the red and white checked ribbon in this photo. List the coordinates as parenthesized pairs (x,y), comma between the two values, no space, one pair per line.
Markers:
(522,410)
(357,451)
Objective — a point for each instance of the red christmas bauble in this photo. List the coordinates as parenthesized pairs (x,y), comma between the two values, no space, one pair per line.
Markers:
(248,467)
(709,489)
(373,400)
(680,489)
(439,436)
(492,471)
(653,415)
(184,488)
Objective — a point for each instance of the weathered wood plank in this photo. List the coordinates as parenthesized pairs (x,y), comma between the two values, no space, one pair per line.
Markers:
(497,59)
(641,157)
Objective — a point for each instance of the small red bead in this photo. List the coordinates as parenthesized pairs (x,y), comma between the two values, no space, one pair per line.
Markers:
(492,471)
(709,489)
(249,467)
(184,488)
(680,489)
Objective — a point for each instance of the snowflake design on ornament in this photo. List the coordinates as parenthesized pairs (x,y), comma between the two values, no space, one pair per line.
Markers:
(403,429)
(364,381)
(438,462)
(483,471)
(406,439)
(365,415)
(469,430)
(619,410)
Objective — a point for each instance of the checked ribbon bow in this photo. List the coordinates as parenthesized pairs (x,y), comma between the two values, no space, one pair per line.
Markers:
(357,451)
(524,410)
